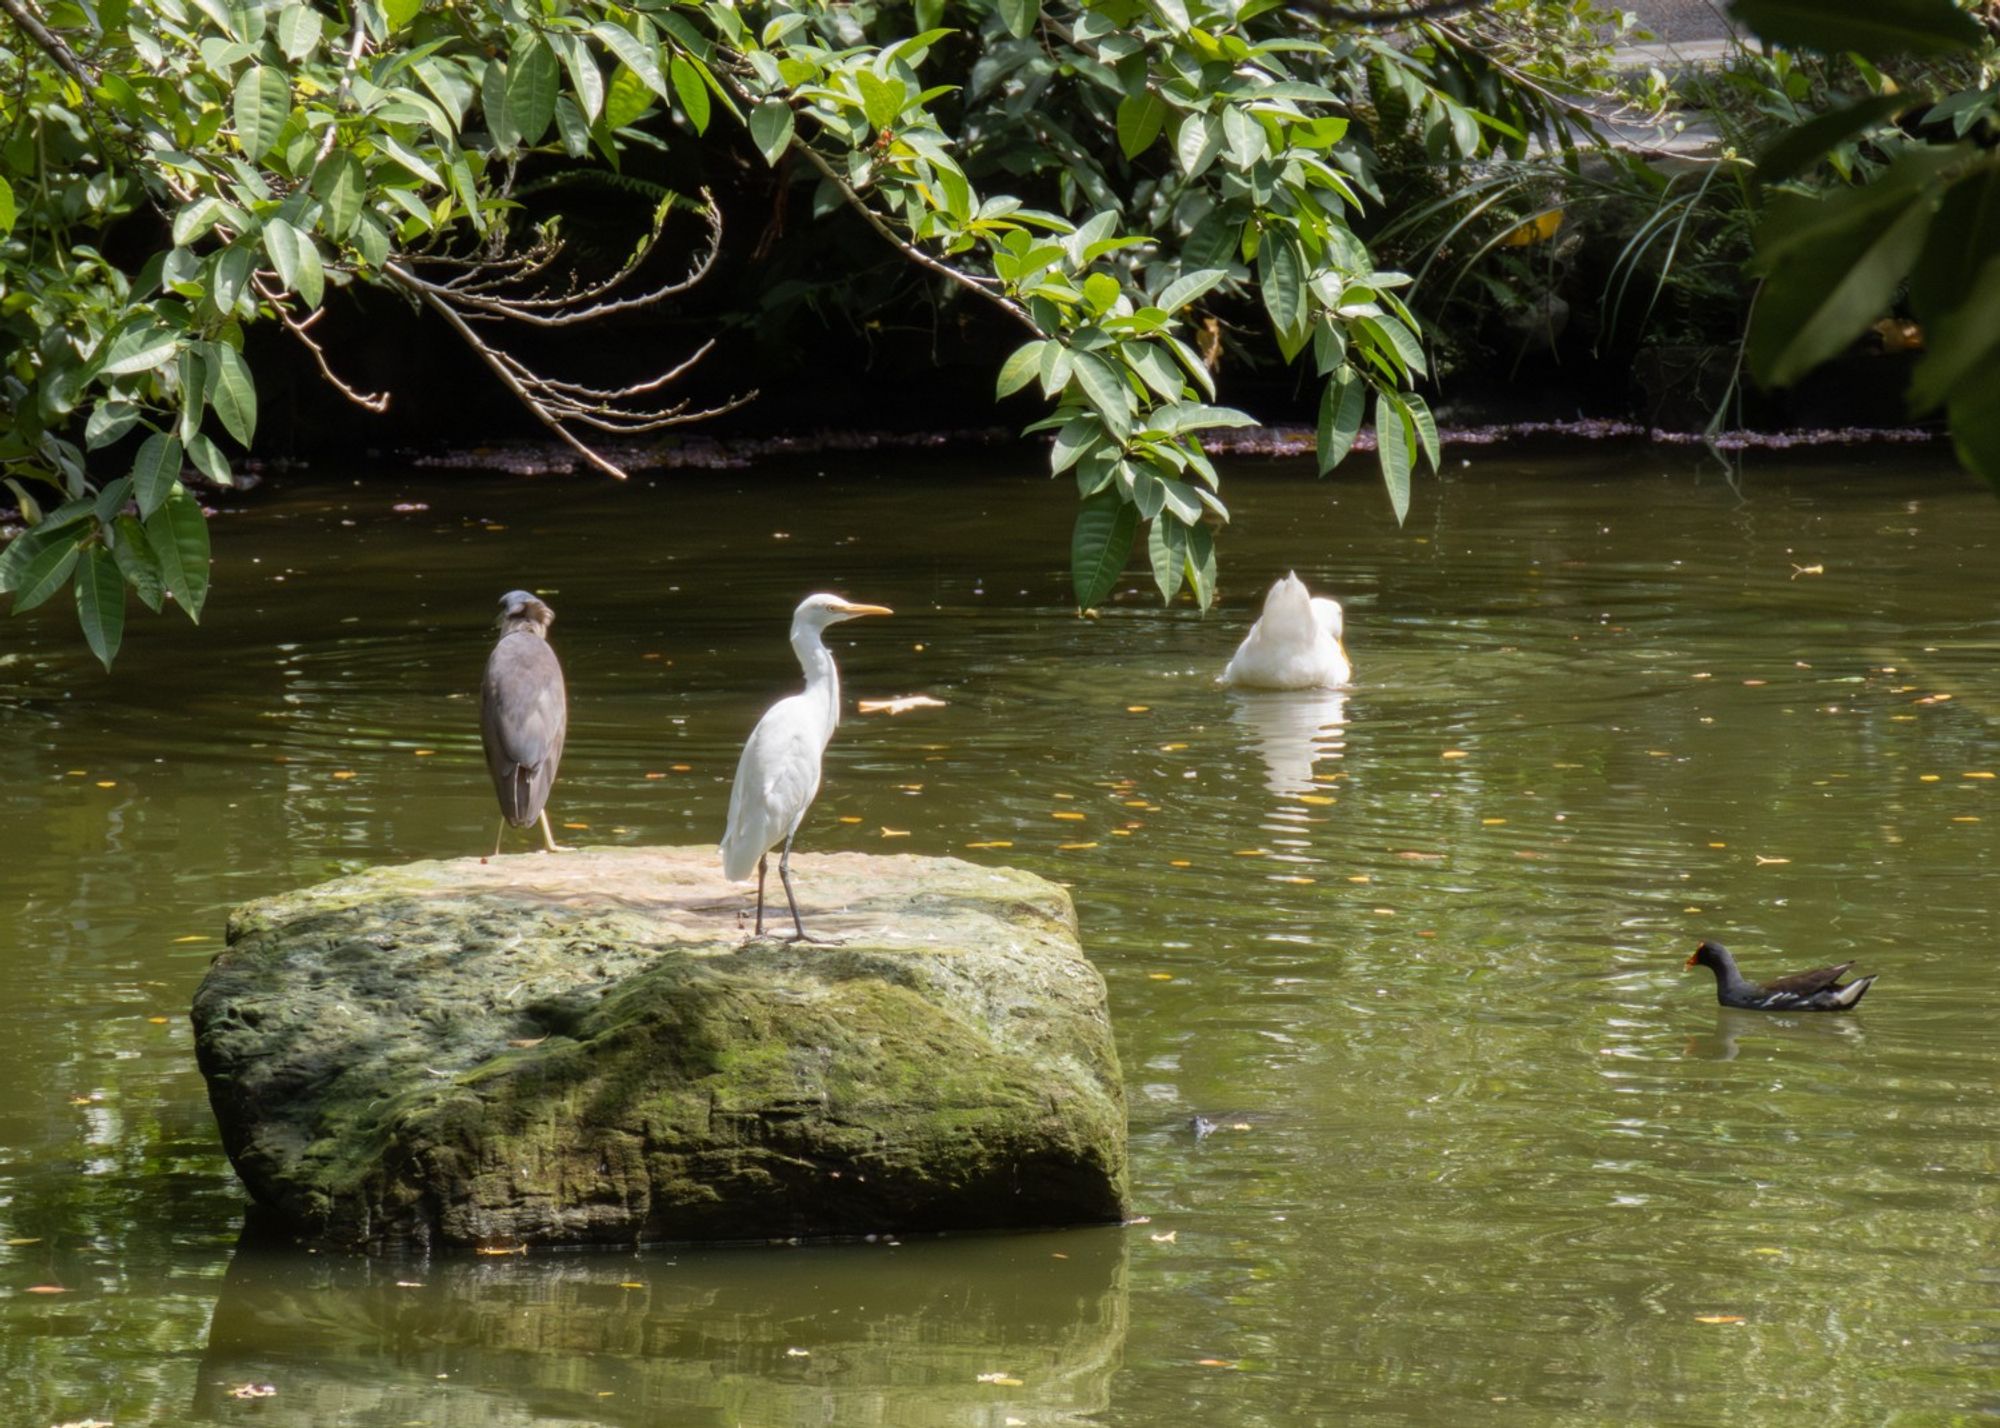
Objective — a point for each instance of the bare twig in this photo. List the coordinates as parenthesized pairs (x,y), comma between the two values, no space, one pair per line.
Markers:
(376,402)
(1385,18)
(490,290)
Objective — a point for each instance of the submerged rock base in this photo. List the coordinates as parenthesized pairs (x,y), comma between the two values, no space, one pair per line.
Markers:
(584,1049)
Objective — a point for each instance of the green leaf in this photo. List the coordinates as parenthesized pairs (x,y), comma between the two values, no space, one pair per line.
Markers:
(1196,143)
(771,128)
(1243,136)
(1099,546)
(338,182)
(263,100)
(1201,564)
(1100,291)
(881,99)
(1191,287)
(1156,369)
(100,603)
(1020,16)
(693,93)
(1140,119)
(180,543)
(1166,545)
(586,78)
(1833,264)
(235,398)
(282,241)
(1974,414)
(408,160)
(1019,369)
(1281,276)
(311,286)
(634,53)
(140,349)
(299,29)
(1427,428)
(7,211)
(1075,439)
(108,422)
(1965,234)
(193,375)
(1340,408)
(1877,28)
(400,12)
(1797,147)
(1106,391)
(155,470)
(531,91)
(136,562)
(1391,333)
(208,459)
(1966,340)
(232,275)
(1392,450)
(46,567)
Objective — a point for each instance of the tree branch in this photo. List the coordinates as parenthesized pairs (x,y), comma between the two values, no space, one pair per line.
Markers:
(910,250)
(1384,19)
(49,42)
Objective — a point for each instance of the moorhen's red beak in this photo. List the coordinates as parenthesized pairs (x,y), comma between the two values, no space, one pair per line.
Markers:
(1689,964)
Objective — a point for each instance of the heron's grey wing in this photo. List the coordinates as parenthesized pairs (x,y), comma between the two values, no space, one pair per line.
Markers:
(523,721)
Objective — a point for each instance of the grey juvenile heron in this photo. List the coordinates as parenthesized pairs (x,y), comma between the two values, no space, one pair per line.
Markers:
(523,715)
(778,775)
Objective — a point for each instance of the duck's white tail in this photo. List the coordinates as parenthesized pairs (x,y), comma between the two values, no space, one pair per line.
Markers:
(1851,993)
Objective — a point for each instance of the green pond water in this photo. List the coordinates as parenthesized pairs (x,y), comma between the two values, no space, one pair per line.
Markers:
(1481,1151)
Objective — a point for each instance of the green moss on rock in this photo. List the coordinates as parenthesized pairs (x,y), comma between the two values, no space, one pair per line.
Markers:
(583,1049)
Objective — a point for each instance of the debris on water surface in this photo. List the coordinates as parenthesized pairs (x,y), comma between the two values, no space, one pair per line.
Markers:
(1000,1378)
(899,704)
(253,1390)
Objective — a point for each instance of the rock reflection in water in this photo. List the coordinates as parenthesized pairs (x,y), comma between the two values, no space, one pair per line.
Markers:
(1295,731)
(829,1334)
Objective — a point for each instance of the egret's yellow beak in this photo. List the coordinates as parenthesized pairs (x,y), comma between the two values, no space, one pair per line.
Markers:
(848,608)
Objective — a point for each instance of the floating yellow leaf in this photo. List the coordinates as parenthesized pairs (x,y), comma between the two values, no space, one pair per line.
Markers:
(1454,754)
(1252,853)
(655,775)
(159,1020)
(1798,570)
(1718,845)
(1161,976)
(1068,817)
(1289,878)
(47,1289)
(1981,774)
(1492,822)
(630,1284)
(895,832)
(1138,708)
(1383,911)
(993,843)
(409,1284)
(501,1249)
(423,753)
(849,818)
(1767,1249)
(1966,818)
(1718,1318)
(113,783)
(343,773)
(1929,778)
(1179,863)
(32,1240)
(1359,878)
(1172,748)
(193,937)
(1317,800)
(1215,1363)
(1073,847)
(1135,803)
(579,827)
(1003,1379)
(1763,861)
(681,768)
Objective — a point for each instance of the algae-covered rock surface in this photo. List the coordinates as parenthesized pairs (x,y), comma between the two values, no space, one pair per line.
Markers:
(584,1048)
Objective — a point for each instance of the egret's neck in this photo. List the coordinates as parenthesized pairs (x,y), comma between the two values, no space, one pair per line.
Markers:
(822,678)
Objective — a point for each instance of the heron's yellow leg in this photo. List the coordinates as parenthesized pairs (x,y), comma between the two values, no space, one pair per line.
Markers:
(499,834)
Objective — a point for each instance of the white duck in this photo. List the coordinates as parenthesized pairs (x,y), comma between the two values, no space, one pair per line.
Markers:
(1295,643)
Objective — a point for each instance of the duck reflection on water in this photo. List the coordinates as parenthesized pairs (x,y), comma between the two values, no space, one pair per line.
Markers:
(1295,732)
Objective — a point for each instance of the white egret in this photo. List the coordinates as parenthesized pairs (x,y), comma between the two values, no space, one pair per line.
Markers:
(778,776)
(1295,643)
(523,715)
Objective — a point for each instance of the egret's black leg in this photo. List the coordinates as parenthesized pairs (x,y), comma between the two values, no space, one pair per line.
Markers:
(799,928)
(762,863)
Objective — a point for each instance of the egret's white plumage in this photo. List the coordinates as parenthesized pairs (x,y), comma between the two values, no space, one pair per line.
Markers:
(778,776)
(1295,643)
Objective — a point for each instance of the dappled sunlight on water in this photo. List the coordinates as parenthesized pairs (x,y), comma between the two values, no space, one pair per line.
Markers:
(1429,1122)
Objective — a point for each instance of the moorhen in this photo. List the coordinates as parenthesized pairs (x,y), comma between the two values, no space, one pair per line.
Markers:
(1818,990)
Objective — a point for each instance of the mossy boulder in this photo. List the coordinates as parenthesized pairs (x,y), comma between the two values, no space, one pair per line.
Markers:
(584,1048)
